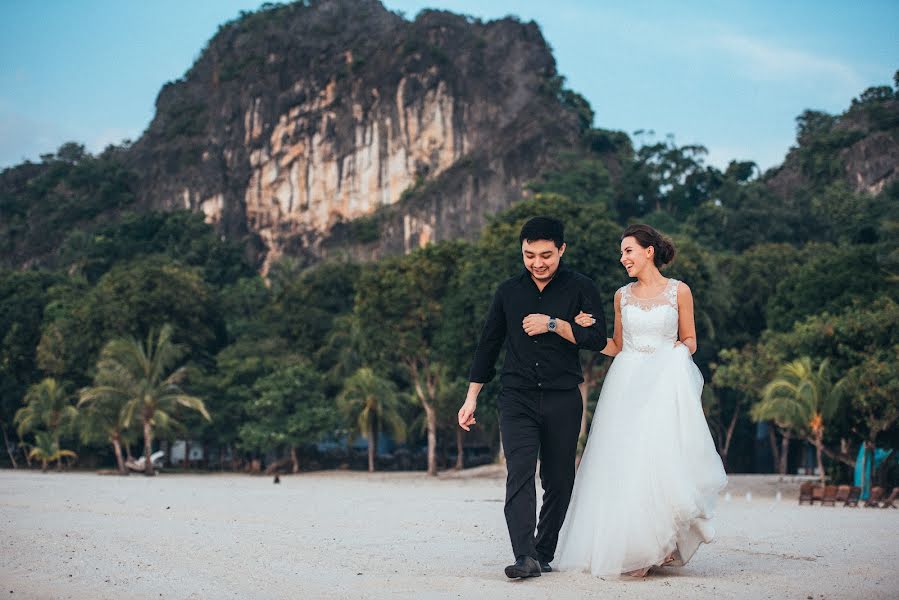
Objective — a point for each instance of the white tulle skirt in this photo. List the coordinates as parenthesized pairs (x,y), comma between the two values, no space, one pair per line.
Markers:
(649,476)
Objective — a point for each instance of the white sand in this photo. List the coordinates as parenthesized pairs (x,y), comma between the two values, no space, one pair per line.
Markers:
(354,535)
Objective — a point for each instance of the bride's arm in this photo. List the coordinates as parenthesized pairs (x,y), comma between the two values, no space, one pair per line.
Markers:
(613,344)
(686,325)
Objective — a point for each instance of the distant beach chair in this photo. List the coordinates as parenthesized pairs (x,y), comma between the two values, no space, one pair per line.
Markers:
(817,493)
(139,463)
(875,497)
(830,496)
(842,494)
(855,493)
(891,501)
(805,492)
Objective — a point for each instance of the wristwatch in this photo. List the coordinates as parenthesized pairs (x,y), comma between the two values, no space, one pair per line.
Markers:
(552,324)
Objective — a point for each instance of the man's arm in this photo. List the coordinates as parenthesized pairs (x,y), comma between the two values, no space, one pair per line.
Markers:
(483,367)
(466,413)
(538,323)
(492,337)
(594,336)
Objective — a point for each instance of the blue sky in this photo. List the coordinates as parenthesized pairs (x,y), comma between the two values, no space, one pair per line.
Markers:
(732,76)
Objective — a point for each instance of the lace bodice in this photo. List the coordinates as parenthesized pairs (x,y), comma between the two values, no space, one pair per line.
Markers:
(649,323)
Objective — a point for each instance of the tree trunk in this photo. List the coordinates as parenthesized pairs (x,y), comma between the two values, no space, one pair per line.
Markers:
(12,457)
(117,447)
(371,447)
(819,442)
(775,455)
(186,464)
(58,458)
(148,447)
(25,450)
(128,455)
(295,462)
(846,460)
(881,475)
(426,399)
(431,416)
(784,451)
(235,465)
(729,435)
(460,451)
(43,465)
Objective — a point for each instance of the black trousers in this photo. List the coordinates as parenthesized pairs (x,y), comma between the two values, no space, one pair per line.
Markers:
(542,424)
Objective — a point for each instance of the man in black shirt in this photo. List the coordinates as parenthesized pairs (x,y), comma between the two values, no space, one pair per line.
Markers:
(540,404)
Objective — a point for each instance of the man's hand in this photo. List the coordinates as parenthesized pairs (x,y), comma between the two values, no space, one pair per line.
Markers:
(466,415)
(535,324)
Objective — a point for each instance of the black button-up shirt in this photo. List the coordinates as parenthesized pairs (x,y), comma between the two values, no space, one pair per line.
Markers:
(545,361)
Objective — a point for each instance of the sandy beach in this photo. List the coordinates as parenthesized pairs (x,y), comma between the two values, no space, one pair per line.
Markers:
(392,535)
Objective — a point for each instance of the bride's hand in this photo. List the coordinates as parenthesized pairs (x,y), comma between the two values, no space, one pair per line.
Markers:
(584,319)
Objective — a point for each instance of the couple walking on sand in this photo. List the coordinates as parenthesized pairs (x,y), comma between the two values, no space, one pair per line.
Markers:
(644,493)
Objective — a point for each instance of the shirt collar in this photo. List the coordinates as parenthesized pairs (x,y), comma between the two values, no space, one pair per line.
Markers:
(561,273)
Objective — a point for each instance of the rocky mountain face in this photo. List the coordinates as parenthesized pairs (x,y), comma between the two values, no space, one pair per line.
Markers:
(339,126)
(859,147)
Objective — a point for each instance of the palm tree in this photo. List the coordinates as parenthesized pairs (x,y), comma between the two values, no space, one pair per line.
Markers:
(46,404)
(373,402)
(46,449)
(800,399)
(142,378)
(102,419)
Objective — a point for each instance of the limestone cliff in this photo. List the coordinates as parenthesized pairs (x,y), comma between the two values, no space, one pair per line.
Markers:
(298,119)
(859,147)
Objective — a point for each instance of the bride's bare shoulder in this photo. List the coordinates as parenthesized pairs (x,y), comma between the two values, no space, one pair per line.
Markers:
(683,291)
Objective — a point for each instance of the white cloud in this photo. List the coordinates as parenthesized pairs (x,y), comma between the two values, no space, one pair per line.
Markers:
(764,60)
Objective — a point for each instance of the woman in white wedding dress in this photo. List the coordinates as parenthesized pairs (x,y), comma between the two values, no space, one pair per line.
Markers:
(650,475)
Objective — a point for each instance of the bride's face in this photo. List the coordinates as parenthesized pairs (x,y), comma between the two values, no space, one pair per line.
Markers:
(634,257)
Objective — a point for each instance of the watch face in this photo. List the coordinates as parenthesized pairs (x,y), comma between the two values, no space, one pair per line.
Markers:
(552,325)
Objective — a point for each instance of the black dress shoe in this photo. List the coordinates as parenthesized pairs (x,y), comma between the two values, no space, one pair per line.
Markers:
(525,566)
(544,567)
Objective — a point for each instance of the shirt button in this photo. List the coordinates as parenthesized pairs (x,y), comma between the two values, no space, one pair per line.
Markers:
(539,385)
(536,364)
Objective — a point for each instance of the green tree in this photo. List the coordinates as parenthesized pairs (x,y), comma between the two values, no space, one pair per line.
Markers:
(748,277)
(129,301)
(143,377)
(872,388)
(829,279)
(399,310)
(101,419)
(182,236)
(287,412)
(309,304)
(229,386)
(23,297)
(47,408)
(46,449)
(371,403)
(802,399)
(737,380)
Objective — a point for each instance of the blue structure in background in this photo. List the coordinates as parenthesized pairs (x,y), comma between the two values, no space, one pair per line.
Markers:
(865,468)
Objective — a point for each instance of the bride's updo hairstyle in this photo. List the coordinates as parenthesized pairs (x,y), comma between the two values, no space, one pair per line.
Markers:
(646,236)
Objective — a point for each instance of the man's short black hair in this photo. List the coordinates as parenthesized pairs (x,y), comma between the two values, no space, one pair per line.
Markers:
(543,228)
